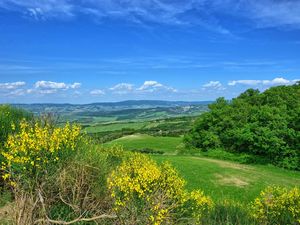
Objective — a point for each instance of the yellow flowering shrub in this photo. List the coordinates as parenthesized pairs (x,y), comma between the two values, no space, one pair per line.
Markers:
(36,148)
(145,193)
(277,206)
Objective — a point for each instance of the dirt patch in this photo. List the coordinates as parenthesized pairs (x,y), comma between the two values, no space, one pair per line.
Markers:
(6,212)
(231,181)
(226,164)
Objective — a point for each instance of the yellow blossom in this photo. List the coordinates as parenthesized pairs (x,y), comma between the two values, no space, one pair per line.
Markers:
(37,145)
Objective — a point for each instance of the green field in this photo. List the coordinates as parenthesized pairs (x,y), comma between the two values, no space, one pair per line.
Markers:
(218,178)
(140,141)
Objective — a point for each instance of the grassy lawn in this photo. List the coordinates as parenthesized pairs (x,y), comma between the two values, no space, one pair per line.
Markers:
(140,141)
(227,180)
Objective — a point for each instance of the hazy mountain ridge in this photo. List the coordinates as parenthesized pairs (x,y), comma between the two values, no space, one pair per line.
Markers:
(107,106)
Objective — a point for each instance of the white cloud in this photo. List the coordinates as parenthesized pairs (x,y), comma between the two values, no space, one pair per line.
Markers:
(11,86)
(214,85)
(275,81)
(75,85)
(56,85)
(122,88)
(152,86)
(50,85)
(97,92)
(244,82)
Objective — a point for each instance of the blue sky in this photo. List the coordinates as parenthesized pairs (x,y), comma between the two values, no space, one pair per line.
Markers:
(111,50)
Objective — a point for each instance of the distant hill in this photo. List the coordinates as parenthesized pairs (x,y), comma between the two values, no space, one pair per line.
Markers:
(125,110)
(107,106)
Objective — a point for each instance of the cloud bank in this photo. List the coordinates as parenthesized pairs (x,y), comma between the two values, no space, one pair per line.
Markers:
(275,81)
(147,90)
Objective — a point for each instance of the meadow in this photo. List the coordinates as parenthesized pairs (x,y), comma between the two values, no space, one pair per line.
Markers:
(141,141)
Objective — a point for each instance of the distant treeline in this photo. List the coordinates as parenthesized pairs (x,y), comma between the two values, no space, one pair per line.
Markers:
(265,125)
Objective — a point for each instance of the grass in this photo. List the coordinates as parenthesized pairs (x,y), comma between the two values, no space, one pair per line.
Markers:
(227,180)
(141,141)
(221,179)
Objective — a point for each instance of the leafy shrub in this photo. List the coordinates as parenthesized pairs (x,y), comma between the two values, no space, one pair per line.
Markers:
(146,193)
(277,206)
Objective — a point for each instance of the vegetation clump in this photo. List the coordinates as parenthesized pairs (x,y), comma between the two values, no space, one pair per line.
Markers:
(277,206)
(36,148)
(147,193)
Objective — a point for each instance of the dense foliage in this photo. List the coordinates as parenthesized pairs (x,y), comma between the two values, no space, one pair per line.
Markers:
(265,124)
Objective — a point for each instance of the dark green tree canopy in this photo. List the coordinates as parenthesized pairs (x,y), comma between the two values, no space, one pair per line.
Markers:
(263,124)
